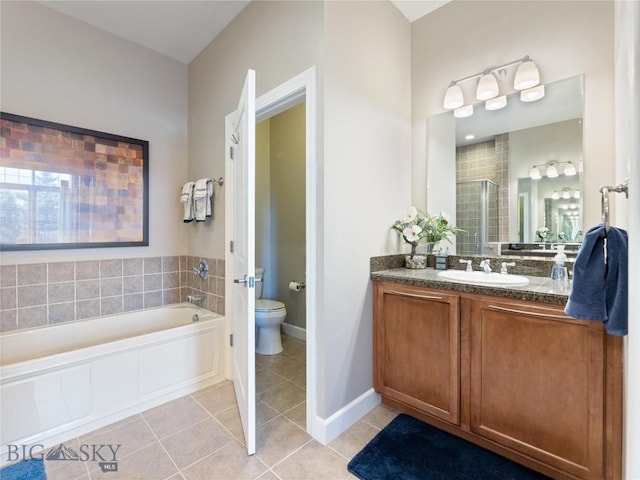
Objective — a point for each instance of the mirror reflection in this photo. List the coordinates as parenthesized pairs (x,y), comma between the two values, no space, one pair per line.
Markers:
(517,172)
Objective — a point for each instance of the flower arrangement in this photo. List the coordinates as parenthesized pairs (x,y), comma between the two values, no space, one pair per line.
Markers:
(416,226)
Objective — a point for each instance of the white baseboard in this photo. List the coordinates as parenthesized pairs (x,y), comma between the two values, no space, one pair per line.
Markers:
(326,430)
(294,331)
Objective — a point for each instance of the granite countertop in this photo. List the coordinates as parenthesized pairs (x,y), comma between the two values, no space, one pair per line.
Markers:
(538,290)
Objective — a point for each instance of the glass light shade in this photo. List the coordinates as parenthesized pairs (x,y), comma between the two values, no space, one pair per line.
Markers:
(527,76)
(576,194)
(487,87)
(552,171)
(566,194)
(463,112)
(555,195)
(496,103)
(534,173)
(532,94)
(569,169)
(453,98)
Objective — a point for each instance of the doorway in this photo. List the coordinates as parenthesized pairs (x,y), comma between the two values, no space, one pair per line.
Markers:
(300,89)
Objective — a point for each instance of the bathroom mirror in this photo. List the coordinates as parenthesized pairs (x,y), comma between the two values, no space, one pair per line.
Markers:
(479,171)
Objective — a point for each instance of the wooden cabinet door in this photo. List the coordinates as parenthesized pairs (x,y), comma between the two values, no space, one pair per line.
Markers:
(537,383)
(417,349)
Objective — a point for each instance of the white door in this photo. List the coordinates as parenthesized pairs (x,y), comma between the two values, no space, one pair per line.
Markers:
(242,143)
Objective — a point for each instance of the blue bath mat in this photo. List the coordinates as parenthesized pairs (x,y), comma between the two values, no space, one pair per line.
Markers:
(32,469)
(408,449)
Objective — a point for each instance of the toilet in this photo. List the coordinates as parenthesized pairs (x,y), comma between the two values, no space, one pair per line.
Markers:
(270,314)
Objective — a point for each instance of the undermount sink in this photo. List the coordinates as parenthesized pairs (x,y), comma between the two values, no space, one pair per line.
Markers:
(481,278)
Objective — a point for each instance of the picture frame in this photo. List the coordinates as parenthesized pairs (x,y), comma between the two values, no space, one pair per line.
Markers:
(63,186)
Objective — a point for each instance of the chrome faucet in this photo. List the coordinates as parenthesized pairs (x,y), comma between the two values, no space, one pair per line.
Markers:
(202,269)
(485,265)
(503,268)
(196,298)
(468,262)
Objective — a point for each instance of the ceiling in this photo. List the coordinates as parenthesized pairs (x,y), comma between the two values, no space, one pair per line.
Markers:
(180,29)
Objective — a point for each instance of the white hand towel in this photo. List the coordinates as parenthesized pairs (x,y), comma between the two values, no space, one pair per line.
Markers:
(209,198)
(186,197)
(200,199)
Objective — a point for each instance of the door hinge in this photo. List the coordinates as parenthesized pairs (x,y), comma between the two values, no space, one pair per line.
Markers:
(231,246)
(231,152)
(231,340)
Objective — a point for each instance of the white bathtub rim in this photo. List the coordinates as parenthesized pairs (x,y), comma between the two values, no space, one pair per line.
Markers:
(78,355)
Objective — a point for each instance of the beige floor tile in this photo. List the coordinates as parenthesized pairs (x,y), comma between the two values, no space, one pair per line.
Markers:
(229,463)
(298,415)
(177,415)
(313,462)
(216,400)
(268,361)
(266,379)
(278,438)
(264,413)
(66,469)
(150,463)
(268,475)
(283,397)
(196,442)
(290,367)
(230,419)
(380,416)
(294,347)
(131,435)
(354,439)
(300,380)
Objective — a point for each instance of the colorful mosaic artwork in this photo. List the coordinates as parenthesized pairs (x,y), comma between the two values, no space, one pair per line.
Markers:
(63,187)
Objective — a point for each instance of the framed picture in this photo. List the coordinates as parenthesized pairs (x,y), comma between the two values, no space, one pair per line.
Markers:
(69,187)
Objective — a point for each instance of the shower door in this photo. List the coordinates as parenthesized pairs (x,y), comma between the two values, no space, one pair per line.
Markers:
(477,216)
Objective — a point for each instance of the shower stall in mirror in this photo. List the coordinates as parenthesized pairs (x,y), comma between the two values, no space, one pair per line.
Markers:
(477,213)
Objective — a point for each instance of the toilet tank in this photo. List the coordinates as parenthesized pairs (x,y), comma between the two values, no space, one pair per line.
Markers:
(259,281)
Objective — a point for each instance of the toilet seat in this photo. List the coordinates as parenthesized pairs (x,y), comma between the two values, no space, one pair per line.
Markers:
(265,305)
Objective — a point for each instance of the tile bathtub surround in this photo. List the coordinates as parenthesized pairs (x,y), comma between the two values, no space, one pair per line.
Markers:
(40,294)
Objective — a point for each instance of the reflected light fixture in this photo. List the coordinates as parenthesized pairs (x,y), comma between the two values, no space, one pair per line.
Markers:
(487,86)
(555,195)
(552,170)
(496,103)
(566,193)
(453,97)
(532,94)
(527,75)
(569,169)
(534,173)
(463,112)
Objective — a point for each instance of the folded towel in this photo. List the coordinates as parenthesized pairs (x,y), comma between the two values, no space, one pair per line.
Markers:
(210,198)
(186,197)
(201,198)
(600,280)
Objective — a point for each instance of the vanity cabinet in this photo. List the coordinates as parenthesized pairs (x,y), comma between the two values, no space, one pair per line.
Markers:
(517,377)
(417,359)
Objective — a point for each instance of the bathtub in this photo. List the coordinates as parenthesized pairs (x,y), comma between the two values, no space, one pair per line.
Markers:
(63,381)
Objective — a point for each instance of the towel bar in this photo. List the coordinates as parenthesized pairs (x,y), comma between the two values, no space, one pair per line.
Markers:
(604,190)
(219,181)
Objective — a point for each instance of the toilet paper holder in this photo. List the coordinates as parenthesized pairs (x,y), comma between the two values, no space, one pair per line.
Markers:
(296,286)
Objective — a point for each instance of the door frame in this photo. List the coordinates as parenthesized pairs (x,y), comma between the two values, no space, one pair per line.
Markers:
(293,91)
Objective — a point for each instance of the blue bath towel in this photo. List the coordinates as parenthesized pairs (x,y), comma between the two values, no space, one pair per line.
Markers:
(600,280)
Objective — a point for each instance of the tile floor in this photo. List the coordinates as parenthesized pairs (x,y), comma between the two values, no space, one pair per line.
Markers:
(199,436)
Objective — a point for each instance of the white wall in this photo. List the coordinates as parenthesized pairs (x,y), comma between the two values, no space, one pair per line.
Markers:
(564,38)
(278,40)
(367,181)
(59,69)
(628,164)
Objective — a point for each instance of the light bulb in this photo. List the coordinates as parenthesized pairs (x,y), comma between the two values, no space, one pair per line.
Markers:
(487,87)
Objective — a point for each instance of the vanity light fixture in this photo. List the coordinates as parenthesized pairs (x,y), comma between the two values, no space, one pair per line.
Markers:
(526,80)
(570,169)
(496,103)
(532,94)
(534,173)
(463,112)
(453,98)
(487,86)
(566,193)
(555,195)
(552,170)
(527,75)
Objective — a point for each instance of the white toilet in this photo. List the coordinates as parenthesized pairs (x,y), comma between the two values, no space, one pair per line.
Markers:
(270,314)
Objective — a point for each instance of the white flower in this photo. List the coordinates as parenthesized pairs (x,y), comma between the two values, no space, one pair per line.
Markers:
(410,215)
(412,234)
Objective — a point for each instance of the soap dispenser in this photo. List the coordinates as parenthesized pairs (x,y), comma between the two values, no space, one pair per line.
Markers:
(559,276)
